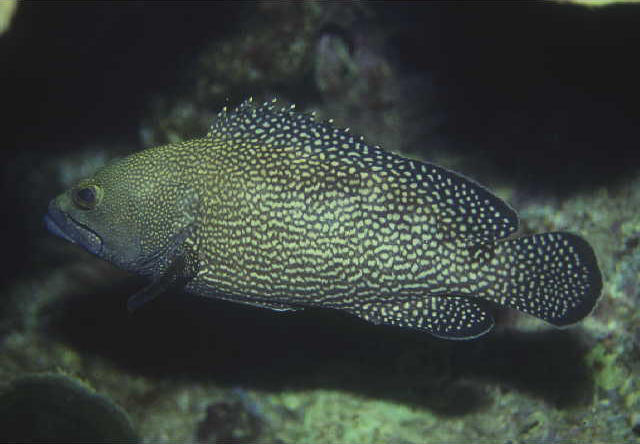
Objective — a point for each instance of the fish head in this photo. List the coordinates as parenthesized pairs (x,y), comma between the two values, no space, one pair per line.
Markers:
(126,214)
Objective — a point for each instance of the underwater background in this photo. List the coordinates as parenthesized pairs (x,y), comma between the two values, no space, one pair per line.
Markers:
(536,100)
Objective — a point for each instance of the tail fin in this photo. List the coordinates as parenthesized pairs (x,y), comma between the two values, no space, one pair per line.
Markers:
(553,276)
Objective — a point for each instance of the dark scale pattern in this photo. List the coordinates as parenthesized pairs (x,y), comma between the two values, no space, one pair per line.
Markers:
(297,212)
(284,228)
(277,210)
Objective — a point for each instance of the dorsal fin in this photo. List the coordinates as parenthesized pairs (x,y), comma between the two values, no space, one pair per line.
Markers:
(463,207)
(273,126)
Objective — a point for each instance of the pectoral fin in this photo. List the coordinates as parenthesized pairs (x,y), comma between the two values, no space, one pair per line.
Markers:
(175,277)
(182,266)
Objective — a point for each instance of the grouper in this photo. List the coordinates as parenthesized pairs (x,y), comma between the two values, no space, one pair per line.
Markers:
(276,209)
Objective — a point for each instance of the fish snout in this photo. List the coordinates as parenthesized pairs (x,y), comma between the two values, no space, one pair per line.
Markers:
(66,227)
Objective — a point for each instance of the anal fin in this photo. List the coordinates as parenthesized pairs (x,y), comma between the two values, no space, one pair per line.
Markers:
(448,317)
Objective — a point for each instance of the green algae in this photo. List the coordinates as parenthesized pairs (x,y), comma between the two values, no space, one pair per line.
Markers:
(609,373)
(7,11)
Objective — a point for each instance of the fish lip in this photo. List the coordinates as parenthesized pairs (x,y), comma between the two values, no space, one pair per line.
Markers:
(57,222)
(55,229)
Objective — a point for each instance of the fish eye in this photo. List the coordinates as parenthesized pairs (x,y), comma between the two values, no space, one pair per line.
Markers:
(86,198)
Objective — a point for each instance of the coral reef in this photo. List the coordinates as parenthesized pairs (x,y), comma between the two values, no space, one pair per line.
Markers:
(229,422)
(53,407)
(272,51)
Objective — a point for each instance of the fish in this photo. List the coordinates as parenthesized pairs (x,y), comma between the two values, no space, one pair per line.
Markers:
(276,209)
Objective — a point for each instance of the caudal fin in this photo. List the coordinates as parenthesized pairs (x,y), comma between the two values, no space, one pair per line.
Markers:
(553,276)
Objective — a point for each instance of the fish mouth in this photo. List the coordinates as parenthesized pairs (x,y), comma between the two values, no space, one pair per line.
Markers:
(54,228)
(69,229)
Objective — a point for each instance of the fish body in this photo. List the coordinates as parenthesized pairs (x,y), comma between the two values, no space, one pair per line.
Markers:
(275,209)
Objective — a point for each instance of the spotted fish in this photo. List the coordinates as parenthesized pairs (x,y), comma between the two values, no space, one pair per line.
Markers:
(277,210)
